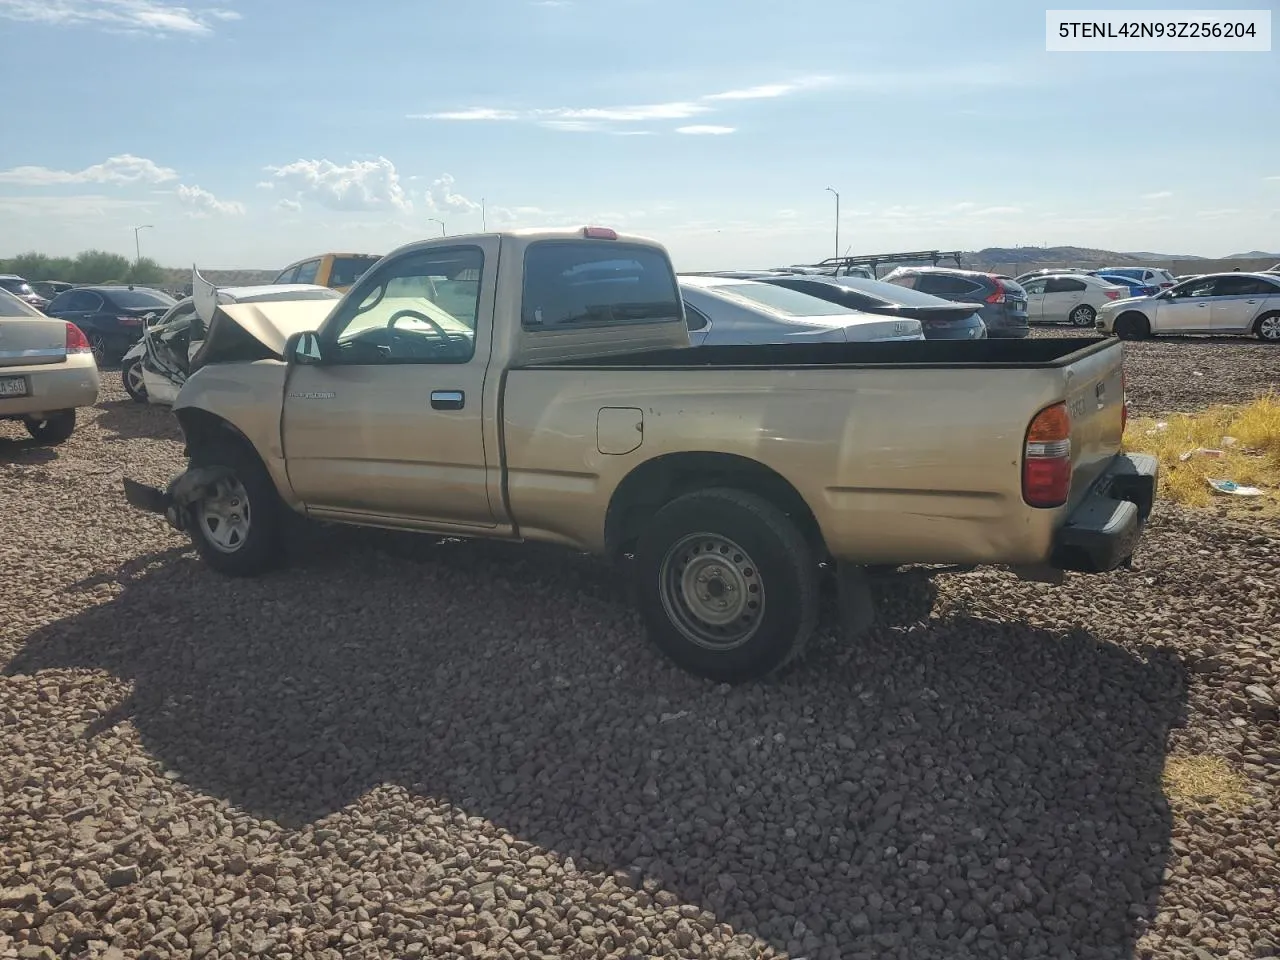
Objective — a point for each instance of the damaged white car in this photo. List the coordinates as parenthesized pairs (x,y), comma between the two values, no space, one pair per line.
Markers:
(155,368)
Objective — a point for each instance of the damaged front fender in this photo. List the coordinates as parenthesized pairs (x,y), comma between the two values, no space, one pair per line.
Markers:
(183,492)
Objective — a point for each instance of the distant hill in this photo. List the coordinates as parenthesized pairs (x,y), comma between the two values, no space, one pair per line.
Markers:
(1255,255)
(1068,254)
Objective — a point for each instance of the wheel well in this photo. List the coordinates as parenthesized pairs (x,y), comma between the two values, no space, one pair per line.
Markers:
(656,482)
(202,428)
(1257,324)
(1135,315)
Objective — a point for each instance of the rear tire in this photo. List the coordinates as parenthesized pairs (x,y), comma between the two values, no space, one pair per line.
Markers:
(134,385)
(1082,316)
(240,530)
(1133,326)
(727,585)
(1267,328)
(53,429)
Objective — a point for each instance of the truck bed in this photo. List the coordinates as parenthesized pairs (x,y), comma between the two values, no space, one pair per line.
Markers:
(1040,353)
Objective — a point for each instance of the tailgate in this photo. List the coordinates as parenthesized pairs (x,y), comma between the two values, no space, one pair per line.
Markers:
(1095,400)
(26,342)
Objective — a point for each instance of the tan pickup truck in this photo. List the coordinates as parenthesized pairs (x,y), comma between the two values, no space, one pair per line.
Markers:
(539,385)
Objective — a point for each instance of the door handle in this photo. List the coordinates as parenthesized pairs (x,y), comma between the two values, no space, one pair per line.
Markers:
(448,399)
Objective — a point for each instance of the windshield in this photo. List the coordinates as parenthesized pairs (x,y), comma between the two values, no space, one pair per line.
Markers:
(11,306)
(791,303)
(14,285)
(347,270)
(140,299)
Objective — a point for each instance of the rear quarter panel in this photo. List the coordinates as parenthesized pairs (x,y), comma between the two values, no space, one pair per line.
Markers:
(897,465)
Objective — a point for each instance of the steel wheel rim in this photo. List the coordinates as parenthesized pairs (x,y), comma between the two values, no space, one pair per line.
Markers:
(712,592)
(133,376)
(1270,328)
(1080,317)
(98,346)
(224,518)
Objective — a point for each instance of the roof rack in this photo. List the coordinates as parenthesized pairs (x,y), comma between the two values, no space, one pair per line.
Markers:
(874,260)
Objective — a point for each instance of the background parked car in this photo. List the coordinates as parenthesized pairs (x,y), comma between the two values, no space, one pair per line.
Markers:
(47,370)
(1152,276)
(1136,288)
(111,317)
(1223,303)
(19,287)
(1004,302)
(941,319)
(338,271)
(722,311)
(1049,272)
(1073,298)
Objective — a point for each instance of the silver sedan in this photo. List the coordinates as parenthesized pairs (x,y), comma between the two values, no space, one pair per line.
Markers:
(722,311)
(1221,303)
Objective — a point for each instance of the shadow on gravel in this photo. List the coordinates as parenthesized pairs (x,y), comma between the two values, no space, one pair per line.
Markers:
(960,778)
(129,420)
(25,452)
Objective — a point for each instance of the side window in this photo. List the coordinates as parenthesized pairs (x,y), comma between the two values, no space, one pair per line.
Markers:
(287,276)
(1063,285)
(84,300)
(418,308)
(306,272)
(909,280)
(1244,287)
(943,285)
(592,283)
(694,318)
(1034,287)
(1196,288)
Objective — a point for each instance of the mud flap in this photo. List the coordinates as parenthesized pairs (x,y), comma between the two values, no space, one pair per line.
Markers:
(857,605)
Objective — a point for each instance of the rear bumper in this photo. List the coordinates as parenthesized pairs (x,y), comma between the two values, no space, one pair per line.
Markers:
(52,387)
(1104,529)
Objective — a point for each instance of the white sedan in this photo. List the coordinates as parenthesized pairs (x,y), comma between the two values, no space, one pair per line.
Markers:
(1216,303)
(1073,298)
(722,311)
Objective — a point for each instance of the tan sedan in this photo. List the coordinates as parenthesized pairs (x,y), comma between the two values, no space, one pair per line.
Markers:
(47,371)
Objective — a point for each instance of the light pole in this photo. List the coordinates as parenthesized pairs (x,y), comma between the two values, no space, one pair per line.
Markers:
(837,196)
(137,246)
(439,221)
(483,224)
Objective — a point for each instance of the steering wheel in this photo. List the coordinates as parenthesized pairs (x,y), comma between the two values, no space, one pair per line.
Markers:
(415,315)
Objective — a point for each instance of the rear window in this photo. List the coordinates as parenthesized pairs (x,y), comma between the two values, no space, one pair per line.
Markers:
(16,286)
(897,293)
(140,299)
(791,303)
(347,270)
(11,306)
(585,283)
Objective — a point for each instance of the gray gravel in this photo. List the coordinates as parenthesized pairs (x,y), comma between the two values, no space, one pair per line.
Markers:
(408,747)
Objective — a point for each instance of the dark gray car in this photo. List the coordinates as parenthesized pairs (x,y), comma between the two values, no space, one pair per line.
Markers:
(1004,302)
(941,319)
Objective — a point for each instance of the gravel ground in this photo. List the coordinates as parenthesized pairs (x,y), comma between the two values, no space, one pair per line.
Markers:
(1182,374)
(404,747)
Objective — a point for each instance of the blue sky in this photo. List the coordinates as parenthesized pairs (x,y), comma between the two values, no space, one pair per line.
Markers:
(253,134)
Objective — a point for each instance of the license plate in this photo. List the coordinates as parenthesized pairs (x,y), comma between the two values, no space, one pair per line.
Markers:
(13,386)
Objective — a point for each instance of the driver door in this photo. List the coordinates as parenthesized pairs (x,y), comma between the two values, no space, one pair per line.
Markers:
(1035,299)
(1187,308)
(388,427)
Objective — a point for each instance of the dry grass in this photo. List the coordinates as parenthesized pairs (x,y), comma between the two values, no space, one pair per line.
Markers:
(1198,781)
(1252,458)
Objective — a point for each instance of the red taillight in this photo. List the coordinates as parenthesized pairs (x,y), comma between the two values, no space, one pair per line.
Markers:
(998,296)
(1046,458)
(130,321)
(1112,294)
(77,342)
(599,233)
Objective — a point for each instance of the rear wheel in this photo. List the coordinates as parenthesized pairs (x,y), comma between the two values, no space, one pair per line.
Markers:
(54,428)
(1082,316)
(1268,328)
(727,585)
(134,385)
(237,526)
(98,344)
(1133,326)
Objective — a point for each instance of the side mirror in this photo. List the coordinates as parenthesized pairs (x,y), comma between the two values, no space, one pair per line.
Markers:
(303,348)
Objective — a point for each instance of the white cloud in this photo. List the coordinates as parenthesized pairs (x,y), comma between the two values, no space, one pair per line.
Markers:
(705,130)
(288,206)
(75,207)
(125,168)
(769,91)
(475,113)
(1158,195)
(201,203)
(134,16)
(359,185)
(1277,177)
(441,197)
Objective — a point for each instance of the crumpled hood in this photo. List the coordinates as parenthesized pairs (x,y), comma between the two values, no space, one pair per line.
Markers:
(268,322)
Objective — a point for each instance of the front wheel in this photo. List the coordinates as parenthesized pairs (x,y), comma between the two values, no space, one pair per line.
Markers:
(1133,326)
(1268,328)
(134,384)
(1082,316)
(727,585)
(53,429)
(236,524)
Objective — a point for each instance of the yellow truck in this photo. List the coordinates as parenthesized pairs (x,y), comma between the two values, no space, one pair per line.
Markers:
(539,385)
